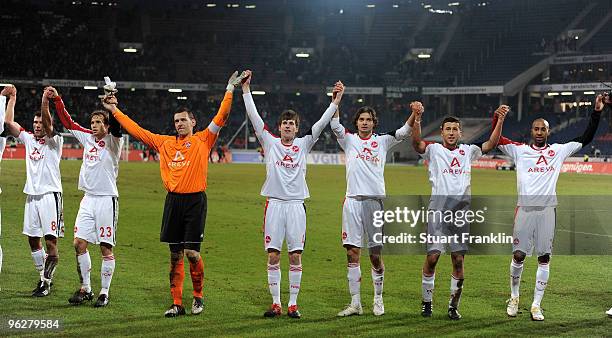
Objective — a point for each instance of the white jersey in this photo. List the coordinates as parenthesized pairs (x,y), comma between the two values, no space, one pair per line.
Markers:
(537,169)
(42,163)
(98,175)
(285,164)
(450,170)
(365,159)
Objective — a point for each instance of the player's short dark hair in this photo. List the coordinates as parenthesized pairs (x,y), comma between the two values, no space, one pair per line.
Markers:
(185,110)
(450,119)
(102,113)
(38,113)
(289,114)
(365,109)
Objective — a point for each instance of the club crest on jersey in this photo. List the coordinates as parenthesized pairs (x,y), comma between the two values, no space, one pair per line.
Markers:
(187,144)
(42,141)
(461,151)
(551,153)
(101,143)
(268,239)
(374,144)
(295,149)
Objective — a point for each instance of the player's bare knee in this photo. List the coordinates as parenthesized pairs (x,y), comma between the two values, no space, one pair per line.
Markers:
(545,259)
(80,246)
(51,244)
(519,256)
(192,255)
(352,254)
(35,243)
(176,256)
(295,257)
(457,260)
(273,256)
(106,249)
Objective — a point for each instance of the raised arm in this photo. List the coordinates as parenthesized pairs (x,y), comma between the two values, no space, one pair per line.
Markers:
(47,123)
(63,114)
(332,110)
(591,129)
(417,113)
(256,120)
(493,140)
(404,132)
(149,138)
(13,127)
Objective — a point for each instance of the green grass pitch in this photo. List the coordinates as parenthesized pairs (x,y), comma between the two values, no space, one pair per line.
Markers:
(235,288)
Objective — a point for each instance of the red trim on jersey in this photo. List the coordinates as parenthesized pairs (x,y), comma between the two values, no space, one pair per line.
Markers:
(504,140)
(535,148)
(456,147)
(427,143)
(269,132)
(65,118)
(287,145)
(365,139)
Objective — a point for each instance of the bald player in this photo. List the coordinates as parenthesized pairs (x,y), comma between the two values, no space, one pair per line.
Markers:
(538,165)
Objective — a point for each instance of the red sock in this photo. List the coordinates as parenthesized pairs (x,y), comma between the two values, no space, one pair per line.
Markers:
(197,276)
(177,275)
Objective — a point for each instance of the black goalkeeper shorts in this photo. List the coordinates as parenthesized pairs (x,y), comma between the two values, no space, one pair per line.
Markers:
(184,218)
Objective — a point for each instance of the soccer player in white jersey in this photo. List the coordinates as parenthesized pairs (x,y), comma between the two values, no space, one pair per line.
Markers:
(43,215)
(12,98)
(538,165)
(285,189)
(450,176)
(366,154)
(96,220)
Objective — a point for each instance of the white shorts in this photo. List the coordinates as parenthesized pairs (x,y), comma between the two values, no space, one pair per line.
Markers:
(438,229)
(358,218)
(43,215)
(534,227)
(96,221)
(284,220)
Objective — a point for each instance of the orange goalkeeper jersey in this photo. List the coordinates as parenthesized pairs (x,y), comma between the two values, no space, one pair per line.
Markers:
(183,162)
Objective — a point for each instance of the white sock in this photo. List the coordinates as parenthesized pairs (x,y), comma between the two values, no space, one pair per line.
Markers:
(38,257)
(427,288)
(354,280)
(295,279)
(516,270)
(84,267)
(456,287)
(106,273)
(540,284)
(274,279)
(378,280)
